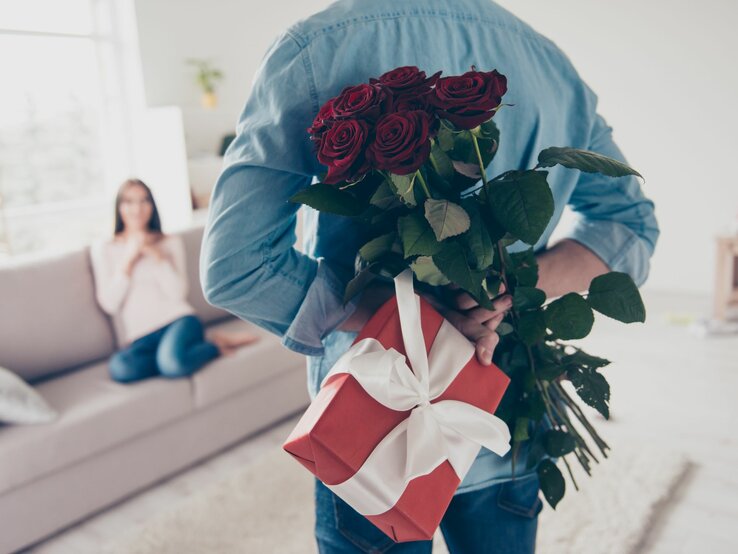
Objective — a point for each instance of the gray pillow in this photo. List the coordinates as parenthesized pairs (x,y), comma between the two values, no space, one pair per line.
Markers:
(20,403)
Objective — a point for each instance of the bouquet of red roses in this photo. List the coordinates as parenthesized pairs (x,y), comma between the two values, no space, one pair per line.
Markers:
(405,154)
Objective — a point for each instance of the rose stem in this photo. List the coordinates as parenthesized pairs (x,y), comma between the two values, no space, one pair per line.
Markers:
(576,410)
(423,184)
(479,159)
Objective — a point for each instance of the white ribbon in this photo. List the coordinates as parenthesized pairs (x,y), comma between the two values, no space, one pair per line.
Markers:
(435,431)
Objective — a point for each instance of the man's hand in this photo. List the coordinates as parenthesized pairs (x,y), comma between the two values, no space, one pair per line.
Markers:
(461,310)
(476,323)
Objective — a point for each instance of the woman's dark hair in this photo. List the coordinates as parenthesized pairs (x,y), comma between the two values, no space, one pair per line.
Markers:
(154,224)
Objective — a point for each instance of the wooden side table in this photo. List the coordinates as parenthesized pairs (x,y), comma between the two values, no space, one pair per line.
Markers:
(726,277)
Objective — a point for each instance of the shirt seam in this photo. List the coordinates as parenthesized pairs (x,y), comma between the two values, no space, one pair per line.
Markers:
(307,65)
(303,40)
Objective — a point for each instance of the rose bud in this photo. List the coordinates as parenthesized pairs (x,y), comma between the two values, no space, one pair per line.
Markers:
(341,148)
(470,99)
(401,142)
(406,79)
(362,101)
(322,120)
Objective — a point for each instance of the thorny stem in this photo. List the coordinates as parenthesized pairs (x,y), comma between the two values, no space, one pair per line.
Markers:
(583,448)
(565,418)
(577,411)
(548,403)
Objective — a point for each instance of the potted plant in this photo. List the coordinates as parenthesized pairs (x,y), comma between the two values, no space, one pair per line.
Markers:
(206,78)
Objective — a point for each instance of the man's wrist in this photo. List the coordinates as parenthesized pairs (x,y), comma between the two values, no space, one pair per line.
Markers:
(568,266)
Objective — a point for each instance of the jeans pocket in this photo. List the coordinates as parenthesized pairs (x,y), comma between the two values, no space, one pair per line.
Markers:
(520,496)
(361,532)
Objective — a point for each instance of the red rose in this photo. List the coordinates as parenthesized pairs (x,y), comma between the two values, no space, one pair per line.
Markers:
(362,101)
(401,142)
(468,100)
(342,150)
(406,78)
(322,120)
(409,101)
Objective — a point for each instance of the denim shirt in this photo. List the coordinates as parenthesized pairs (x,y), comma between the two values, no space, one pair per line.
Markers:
(249,265)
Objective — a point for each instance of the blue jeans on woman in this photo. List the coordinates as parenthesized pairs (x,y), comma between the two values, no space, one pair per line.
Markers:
(176,350)
(499,519)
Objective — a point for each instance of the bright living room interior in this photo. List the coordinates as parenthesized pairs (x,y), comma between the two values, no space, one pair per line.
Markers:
(100,90)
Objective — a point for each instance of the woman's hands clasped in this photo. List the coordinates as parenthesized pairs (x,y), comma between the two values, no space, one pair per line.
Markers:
(139,245)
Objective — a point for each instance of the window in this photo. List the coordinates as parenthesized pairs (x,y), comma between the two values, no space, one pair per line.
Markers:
(63,123)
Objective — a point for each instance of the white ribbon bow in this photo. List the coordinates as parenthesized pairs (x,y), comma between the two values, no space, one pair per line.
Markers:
(435,431)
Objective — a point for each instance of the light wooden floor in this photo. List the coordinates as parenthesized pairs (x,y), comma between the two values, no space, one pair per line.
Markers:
(669,386)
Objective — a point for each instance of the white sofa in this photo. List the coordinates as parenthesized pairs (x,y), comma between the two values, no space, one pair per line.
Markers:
(114,439)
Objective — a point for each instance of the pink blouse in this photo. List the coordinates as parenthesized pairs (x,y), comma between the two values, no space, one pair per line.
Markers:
(153,296)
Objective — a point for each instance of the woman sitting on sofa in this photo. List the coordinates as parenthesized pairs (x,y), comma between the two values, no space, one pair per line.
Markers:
(141,282)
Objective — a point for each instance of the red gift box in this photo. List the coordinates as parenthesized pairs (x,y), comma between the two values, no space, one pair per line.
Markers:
(344,424)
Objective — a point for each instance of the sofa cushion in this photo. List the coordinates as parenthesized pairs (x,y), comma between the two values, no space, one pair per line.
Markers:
(20,403)
(192,239)
(50,319)
(250,365)
(95,413)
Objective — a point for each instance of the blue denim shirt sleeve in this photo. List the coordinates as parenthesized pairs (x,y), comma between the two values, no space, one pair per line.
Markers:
(249,265)
(615,219)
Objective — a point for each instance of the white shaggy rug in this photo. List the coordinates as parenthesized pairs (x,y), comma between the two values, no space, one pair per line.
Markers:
(266,508)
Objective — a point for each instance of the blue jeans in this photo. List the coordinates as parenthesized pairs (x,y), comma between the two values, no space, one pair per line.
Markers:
(499,519)
(176,350)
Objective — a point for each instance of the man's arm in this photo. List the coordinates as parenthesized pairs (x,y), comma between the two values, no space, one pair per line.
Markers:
(568,267)
(616,225)
(248,264)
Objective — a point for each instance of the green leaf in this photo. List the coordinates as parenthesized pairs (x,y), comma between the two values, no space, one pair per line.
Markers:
(494,228)
(452,262)
(417,236)
(373,250)
(489,130)
(445,138)
(457,144)
(360,281)
(477,238)
(531,327)
(492,285)
(615,295)
(533,406)
(440,161)
(504,328)
(522,202)
(552,482)
(403,186)
(525,267)
(488,139)
(584,160)
(444,188)
(582,359)
(558,443)
(521,429)
(592,388)
(384,197)
(327,198)
(569,317)
(549,371)
(426,271)
(526,298)
(446,218)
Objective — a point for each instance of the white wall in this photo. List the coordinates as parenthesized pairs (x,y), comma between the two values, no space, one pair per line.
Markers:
(233,34)
(661,68)
(663,72)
